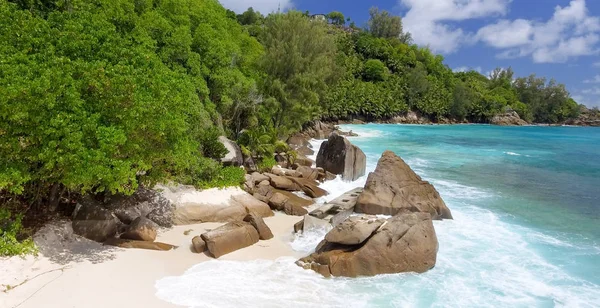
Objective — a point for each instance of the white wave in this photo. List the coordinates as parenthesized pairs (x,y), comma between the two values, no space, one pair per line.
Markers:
(307,241)
(512,153)
(259,283)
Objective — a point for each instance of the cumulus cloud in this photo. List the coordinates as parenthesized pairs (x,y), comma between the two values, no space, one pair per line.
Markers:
(429,20)
(592,91)
(570,32)
(596,79)
(263,6)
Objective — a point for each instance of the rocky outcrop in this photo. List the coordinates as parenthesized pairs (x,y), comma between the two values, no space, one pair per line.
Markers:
(510,117)
(587,117)
(338,156)
(141,229)
(309,187)
(403,243)
(194,206)
(354,230)
(395,188)
(410,117)
(94,222)
(264,232)
(253,205)
(144,202)
(230,237)
(233,157)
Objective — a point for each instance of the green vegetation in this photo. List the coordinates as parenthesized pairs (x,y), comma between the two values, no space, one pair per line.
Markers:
(106,95)
(10,229)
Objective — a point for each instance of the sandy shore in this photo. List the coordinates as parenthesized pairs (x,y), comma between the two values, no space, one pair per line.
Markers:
(116,277)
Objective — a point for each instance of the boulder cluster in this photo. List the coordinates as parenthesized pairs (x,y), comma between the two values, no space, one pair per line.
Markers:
(362,242)
(384,227)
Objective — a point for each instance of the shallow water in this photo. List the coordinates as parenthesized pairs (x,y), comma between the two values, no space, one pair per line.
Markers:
(525,232)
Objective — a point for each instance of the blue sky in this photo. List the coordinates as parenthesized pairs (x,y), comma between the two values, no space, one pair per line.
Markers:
(557,39)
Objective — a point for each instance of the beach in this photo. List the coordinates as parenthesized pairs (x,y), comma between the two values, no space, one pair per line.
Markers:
(117,277)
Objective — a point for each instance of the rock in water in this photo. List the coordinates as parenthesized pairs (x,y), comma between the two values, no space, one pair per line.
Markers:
(264,232)
(395,188)
(338,156)
(234,153)
(230,237)
(141,229)
(404,243)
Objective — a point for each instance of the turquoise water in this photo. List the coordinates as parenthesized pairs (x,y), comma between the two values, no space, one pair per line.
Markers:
(526,228)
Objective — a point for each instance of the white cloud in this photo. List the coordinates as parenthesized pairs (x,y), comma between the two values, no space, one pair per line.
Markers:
(263,6)
(427,20)
(466,69)
(596,64)
(570,32)
(592,91)
(596,79)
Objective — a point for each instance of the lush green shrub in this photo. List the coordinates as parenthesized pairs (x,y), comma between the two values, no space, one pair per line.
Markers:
(10,229)
(210,144)
(266,164)
(225,177)
(375,70)
(281,147)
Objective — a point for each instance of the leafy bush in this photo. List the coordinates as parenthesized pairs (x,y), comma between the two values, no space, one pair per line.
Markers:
(210,144)
(225,177)
(375,70)
(266,164)
(281,147)
(10,229)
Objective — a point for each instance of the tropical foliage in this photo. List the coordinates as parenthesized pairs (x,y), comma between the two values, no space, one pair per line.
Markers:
(105,95)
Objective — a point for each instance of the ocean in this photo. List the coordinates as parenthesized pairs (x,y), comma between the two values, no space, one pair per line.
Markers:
(526,228)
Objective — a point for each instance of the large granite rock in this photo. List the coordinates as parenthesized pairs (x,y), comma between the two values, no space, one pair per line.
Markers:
(354,230)
(253,205)
(395,188)
(141,229)
(234,153)
(213,205)
(309,187)
(282,182)
(94,222)
(144,202)
(509,117)
(230,237)
(198,244)
(403,243)
(264,232)
(338,156)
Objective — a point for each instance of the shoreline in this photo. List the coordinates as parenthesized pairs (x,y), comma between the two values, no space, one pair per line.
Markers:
(37,281)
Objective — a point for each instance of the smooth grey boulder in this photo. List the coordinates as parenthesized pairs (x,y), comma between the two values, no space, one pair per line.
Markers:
(234,153)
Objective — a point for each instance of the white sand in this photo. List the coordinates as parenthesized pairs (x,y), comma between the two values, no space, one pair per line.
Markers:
(126,277)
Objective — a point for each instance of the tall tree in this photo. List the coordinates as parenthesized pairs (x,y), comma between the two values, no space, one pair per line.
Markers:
(336,18)
(383,24)
(299,63)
